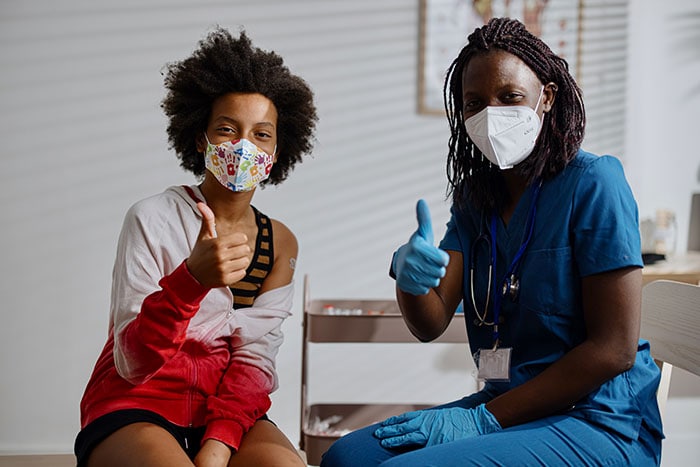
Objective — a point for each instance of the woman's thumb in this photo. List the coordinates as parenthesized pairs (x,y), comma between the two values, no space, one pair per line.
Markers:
(208,221)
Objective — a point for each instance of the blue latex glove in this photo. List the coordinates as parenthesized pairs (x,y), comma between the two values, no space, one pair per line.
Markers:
(419,265)
(436,426)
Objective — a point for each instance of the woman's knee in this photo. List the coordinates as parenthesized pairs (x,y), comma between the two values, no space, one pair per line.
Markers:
(138,443)
(265,444)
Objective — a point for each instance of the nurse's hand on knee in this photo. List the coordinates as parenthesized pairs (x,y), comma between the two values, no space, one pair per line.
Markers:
(436,426)
(419,264)
(408,429)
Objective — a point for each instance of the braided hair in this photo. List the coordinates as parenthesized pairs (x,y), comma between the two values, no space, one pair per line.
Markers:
(223,65)
(471,176)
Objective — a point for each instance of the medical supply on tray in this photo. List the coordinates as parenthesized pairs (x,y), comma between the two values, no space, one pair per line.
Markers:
(338,311)
(323,427)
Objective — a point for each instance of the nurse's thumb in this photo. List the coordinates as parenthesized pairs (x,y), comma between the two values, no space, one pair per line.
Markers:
(425,224)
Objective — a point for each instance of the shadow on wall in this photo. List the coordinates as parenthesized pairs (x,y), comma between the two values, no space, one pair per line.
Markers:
(686,45)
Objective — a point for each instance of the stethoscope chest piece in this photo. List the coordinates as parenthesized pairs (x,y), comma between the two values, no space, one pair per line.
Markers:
(511,287)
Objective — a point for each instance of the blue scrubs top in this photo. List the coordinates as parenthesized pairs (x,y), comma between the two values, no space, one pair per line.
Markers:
(586,223)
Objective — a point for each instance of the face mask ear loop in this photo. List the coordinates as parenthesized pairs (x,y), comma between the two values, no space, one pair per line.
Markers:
(206,138)
(539,99)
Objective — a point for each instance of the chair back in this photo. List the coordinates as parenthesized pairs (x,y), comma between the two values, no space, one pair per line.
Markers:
(671,324)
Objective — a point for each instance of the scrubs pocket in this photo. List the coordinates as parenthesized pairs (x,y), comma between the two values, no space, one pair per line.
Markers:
(547,283)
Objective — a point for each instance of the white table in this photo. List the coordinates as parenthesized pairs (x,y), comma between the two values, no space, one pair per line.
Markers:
(682,267)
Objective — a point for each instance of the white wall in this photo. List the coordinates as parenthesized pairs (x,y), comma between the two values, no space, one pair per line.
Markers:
(663,95)
(83,138)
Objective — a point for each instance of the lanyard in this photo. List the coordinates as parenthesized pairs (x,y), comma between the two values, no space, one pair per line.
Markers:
(510,279)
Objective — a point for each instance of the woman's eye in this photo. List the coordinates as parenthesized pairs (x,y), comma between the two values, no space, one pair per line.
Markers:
(263,135)
(226,130)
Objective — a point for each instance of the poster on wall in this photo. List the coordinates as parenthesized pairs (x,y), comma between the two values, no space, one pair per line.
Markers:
(446,24)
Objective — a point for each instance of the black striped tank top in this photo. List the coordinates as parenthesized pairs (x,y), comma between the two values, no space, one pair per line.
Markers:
(245,290)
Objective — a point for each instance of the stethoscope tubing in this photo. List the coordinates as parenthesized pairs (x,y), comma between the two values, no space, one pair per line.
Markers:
(510,282)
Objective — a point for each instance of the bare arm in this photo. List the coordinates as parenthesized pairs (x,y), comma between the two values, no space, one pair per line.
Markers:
(286,249)
(427,316)
(612,313)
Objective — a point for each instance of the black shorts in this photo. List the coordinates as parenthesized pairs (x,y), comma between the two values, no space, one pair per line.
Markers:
(99,429)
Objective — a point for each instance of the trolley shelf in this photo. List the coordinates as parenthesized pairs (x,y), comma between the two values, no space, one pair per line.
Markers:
(352,321)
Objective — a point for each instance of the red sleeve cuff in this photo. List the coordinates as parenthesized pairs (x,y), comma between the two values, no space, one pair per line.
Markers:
(226,431)
(182,284)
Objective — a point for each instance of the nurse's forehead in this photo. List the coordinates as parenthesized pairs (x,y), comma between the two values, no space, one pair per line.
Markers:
(497,68)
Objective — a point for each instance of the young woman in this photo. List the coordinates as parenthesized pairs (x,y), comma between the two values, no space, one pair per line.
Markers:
(543,249)
(202,280)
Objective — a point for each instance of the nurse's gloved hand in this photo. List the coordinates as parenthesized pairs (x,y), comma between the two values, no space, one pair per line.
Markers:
(436,426)
(419,265)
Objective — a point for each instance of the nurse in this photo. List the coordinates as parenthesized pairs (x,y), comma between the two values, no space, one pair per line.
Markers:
(543,249)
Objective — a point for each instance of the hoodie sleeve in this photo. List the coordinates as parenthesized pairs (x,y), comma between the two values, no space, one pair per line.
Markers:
(243,395)
(154,296)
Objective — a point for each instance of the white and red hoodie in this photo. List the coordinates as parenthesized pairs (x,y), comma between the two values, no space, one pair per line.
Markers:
(175,347)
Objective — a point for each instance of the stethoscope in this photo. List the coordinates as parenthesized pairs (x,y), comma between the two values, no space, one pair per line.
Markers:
(510,285)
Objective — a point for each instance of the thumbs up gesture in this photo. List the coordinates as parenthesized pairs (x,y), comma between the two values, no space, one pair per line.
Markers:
(218,261)
(419,265)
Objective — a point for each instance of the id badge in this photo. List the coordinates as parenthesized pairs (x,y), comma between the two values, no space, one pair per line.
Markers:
(494,364)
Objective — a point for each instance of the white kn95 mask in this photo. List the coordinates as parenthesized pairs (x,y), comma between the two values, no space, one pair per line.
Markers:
(505,135)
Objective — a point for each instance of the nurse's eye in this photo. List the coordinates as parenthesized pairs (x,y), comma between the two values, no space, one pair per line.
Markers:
(512,98)
(471,105)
